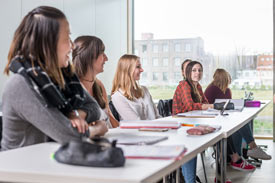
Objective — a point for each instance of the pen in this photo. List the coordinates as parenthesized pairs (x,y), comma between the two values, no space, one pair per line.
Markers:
(183,124)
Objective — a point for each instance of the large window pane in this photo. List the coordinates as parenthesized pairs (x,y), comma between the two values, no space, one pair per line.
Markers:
(234,35)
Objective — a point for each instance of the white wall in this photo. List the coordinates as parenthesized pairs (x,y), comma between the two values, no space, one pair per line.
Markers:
(106,19)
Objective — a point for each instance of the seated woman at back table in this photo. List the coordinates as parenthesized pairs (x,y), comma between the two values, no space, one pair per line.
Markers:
(44,96)
(89,59)
(188,97)
(218,89)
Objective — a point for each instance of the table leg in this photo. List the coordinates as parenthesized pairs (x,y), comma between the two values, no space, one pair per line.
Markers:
(178,172)
(221,155)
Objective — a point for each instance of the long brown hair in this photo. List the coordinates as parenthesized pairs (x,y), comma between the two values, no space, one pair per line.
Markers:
(221,79)
(36,40)
(197,98)
(86,50)
(124,79)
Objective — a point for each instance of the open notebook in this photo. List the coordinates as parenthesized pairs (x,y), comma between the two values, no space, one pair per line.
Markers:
(153,152)
(150,124)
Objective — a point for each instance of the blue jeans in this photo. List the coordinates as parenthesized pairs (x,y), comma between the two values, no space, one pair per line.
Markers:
(189,170)
(246,133)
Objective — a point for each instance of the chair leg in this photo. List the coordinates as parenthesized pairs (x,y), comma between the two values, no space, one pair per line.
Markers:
(204,171)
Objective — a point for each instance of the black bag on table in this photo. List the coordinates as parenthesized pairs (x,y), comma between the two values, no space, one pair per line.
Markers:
(97,153)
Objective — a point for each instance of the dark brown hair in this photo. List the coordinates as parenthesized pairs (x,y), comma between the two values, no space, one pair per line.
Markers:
(197,98)
(185,61)
(36,40)
(86,50)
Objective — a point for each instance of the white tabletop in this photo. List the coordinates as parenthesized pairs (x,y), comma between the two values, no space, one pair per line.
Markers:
(34,163)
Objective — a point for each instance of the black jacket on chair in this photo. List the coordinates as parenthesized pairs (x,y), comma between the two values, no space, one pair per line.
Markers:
(113,110)
(165,107)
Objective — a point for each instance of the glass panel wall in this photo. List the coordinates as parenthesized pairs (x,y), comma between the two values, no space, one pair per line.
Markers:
(234,35)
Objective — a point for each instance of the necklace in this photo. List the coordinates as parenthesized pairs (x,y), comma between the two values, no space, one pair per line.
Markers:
(91,81)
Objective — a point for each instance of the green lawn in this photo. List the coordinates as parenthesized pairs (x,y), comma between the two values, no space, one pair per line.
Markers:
(261,126)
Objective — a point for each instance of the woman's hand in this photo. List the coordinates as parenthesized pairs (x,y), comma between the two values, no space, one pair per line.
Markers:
(98,128)
(207,106)
(78,122)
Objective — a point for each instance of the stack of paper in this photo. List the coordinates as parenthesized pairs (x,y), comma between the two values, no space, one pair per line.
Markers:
(150,124)
(197,114)
(154,152)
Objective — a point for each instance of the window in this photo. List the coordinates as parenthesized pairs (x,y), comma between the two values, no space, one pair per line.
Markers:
(144,48)
(155,62)
(144,62)
(136,52)
(215,45)
(177,77)
(177,61)
(165,48)
(165,76)
(165,62)
(177,47)
(155,48)
(155,76)
(144,75)
(187,48)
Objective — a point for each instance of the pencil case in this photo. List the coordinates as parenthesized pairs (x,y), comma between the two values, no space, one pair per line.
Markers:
(252,103)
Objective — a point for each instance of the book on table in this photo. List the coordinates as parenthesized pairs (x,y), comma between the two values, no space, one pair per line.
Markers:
(153,151)
(197,114)
(150,124)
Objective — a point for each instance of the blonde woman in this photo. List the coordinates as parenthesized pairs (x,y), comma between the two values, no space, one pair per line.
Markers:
(132,101)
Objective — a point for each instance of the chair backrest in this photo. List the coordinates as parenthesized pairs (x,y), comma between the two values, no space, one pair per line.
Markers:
(113,110)
(165,107)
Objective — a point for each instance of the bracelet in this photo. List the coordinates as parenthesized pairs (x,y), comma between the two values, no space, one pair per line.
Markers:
(76,113)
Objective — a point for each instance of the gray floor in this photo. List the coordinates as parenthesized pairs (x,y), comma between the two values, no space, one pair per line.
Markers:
(265,174)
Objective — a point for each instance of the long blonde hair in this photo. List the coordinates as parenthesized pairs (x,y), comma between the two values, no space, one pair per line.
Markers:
(221,79)
(124,79)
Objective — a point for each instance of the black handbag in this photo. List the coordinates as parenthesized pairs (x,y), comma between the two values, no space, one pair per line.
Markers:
(97,153)
(219,106)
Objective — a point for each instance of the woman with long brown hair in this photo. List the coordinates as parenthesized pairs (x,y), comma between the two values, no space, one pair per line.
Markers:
(44,98)
(89,58)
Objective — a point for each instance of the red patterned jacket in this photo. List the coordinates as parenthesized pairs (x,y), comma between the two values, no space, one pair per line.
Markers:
(182,100)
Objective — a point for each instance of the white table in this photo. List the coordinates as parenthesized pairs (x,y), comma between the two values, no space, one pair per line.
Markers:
(33,163)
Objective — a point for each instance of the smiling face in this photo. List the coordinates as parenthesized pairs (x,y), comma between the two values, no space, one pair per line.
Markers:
(98,64)
(196,73)
(64,45)
(137,71)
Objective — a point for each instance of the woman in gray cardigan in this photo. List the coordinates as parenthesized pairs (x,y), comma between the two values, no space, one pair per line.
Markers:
(44,97)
